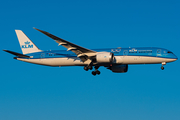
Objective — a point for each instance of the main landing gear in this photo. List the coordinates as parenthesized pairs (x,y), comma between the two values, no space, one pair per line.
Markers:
(162,67)
(96,71)
(86,68)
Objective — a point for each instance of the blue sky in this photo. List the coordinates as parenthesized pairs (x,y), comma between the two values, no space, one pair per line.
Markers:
(145,92)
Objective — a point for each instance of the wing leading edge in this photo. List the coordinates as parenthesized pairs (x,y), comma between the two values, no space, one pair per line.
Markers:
(81,52)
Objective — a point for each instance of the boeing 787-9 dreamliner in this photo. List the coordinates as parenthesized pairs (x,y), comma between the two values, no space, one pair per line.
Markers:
(114,59)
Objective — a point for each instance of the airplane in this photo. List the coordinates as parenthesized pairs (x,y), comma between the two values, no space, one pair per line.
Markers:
(114,59)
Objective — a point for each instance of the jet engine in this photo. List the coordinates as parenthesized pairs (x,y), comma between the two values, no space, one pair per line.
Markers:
(119,68)
(104,57)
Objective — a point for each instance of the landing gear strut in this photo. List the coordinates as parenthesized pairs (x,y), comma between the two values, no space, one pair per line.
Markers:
(162,67)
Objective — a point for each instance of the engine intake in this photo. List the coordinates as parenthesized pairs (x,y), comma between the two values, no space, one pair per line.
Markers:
(105,57)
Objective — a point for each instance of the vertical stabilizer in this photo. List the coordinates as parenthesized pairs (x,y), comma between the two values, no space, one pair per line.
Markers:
(27,46)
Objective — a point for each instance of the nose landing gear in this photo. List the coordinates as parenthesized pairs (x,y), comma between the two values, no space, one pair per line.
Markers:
(162,67)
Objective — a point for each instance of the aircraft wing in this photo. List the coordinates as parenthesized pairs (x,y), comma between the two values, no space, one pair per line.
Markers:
(82,53)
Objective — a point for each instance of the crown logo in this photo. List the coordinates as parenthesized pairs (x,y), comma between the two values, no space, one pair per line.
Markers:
(26,42)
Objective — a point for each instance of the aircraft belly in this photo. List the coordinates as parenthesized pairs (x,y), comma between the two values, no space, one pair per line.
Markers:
(134,60)
(68,62)
(77,61)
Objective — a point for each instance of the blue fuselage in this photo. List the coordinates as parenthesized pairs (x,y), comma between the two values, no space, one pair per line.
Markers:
(140,51)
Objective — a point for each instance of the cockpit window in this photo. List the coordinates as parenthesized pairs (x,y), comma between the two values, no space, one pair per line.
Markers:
(169,52)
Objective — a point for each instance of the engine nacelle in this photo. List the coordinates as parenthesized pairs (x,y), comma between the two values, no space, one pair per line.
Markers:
(105,57)
(119,68)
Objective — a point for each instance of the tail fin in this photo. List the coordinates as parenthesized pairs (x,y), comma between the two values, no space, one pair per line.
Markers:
(27,46)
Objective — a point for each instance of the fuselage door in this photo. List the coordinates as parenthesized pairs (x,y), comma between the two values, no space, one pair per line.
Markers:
(158,52)
(42,55)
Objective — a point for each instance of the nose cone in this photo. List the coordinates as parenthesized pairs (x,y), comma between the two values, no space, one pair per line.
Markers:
(174,57)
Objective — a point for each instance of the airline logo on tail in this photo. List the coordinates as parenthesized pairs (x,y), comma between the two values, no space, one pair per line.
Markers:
(27,45)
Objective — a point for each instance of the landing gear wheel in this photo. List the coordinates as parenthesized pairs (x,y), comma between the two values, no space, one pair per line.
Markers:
(90,67)
(162,68)
(98,72)
(85,68)
(93,73)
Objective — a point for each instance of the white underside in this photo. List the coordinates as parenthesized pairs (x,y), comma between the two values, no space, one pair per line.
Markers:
(77,62)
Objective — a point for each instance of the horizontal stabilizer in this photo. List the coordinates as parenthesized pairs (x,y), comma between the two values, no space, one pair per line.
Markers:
(17,54)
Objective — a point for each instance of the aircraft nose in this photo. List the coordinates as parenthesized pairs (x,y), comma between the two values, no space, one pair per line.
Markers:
(175,57)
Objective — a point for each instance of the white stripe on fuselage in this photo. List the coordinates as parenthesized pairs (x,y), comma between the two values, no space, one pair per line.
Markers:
(77,62)
(143,60)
